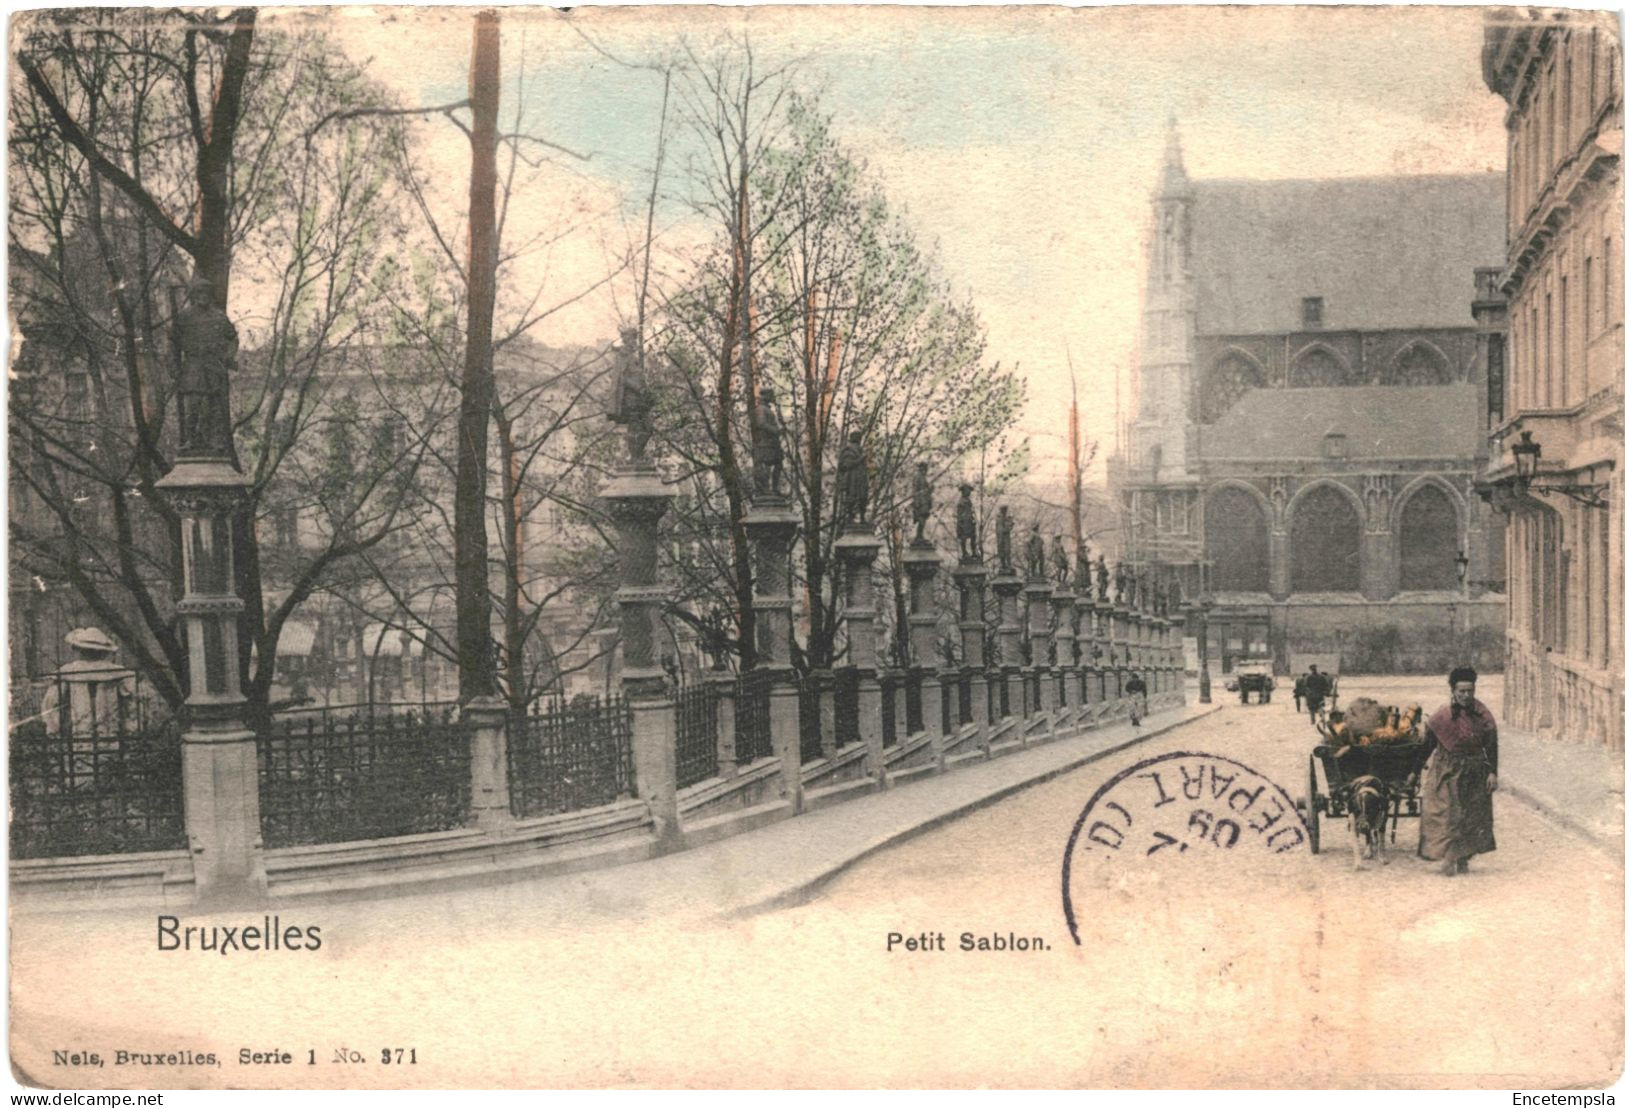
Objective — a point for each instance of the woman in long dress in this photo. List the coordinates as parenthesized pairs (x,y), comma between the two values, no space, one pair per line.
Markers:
(1460,748)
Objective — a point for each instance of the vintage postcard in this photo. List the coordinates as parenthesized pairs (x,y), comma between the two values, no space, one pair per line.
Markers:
(1017,547)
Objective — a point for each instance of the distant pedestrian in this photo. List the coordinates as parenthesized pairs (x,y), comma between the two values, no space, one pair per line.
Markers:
(92,696)
(1461,751)
(1316,688)
(1297,693)
(1135,690)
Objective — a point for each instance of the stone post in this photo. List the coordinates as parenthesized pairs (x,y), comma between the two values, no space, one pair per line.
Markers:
(488,761)
(219,756)
(1111,630)
(727,690)
(1087,700)
(971,578)
(857,550)
(822,682)
(1006,588)
(636,499)
(771,526)
(1037,593)
(921,562)
(1065,635)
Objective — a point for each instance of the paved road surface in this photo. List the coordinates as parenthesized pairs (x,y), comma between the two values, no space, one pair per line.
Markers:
(1263,970)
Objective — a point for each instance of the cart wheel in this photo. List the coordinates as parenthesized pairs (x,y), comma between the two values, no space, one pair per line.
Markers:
(1312,816)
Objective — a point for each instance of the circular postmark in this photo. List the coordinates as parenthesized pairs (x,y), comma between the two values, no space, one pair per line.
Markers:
(1180,805)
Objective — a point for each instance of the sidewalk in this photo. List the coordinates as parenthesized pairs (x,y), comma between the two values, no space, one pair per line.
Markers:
(1580,787)
(786,862)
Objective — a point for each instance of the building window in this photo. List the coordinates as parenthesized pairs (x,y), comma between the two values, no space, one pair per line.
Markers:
(1564,356)
(1568,99)
(1546,358)
(1429,537)
(1532,386)
(1233,376)
(1591,79)
(1318,367)
(1589,328)
(1335,445)
(1237,541)
(1607,281)
(285,524)
(1420,363)
(1495,378)
(1314,312)
(1325,542)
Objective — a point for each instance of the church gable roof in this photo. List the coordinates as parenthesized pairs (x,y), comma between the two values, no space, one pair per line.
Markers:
(1381,252)
(1377,421)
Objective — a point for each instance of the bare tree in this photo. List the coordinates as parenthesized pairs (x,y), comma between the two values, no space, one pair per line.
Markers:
(856,332)
(123,119)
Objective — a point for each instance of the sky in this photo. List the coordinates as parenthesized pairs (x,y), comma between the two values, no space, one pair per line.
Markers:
(1023,142)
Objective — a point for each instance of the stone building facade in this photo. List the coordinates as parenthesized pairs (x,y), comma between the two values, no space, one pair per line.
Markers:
(1308,414)
(1559,72)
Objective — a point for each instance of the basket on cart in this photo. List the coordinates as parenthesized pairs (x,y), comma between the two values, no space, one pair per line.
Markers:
(1340,764)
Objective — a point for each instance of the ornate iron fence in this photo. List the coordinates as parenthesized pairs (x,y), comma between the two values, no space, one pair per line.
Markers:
(328,780)
(964,698)
(945,701)
(1061,678)
(810,716)
(846,707)
(888,709)
(1004,694)
(696,734)
(753,724)
(96,793)
(564,756)
(912,683)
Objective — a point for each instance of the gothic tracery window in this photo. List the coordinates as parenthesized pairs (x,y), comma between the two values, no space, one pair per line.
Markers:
(1237,542)
(1226,382)
(1428,541)
(1325,542)
(1319,367)
(1418,364)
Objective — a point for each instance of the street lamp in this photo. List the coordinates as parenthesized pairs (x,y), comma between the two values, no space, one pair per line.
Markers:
(1525,458)
(1466,596)
(1526,467)
(1204,681)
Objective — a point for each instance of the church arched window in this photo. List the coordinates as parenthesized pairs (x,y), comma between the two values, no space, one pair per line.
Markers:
(1429,538)
(1325,542)
(1237,542)
(1226,382)
(1419,363)
(1318,367)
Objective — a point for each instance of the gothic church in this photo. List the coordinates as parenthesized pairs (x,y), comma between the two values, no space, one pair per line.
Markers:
(1309,397)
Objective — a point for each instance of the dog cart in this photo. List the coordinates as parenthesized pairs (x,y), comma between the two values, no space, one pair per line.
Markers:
(1395,764)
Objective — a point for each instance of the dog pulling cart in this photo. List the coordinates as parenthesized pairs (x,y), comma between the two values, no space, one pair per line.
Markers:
(1346,770)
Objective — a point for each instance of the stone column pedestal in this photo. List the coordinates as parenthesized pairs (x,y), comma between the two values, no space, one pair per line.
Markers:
(921,562)
(727,692)
(771,526)
(488,761)
(220,783)
(636,499)
(971,578)
(1037,594)
(1006,588)
(1062,602)
(856,550)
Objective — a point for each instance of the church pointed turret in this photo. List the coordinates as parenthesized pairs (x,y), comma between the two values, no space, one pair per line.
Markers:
(1174,182)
